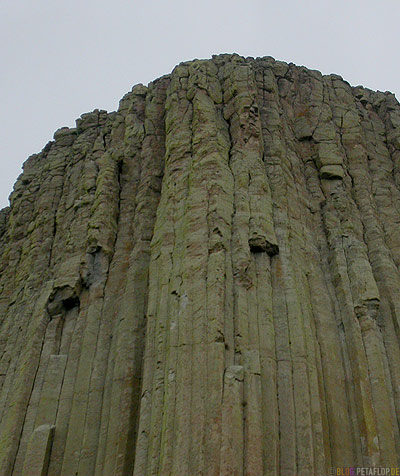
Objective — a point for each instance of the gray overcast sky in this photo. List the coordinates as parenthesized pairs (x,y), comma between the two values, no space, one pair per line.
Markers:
(60,59)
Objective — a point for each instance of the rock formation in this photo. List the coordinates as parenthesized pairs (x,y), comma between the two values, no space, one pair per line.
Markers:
(206,281)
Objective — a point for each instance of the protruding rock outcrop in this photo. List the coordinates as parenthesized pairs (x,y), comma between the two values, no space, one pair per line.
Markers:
(206,281)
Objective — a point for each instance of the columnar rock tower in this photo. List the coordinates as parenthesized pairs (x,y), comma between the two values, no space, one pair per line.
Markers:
(206,282)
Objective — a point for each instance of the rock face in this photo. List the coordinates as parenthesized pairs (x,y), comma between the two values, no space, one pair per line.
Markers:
(206,282)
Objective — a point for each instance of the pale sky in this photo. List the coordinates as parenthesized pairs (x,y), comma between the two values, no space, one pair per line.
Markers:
(60,59)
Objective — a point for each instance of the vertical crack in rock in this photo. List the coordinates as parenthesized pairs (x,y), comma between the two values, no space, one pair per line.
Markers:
(206,281)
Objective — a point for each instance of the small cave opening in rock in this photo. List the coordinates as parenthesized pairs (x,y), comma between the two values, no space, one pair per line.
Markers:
(71,302)
(257,248)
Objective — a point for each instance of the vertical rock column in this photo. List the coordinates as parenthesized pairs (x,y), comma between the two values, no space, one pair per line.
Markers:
(365,279)
(81,198)
(253,241)
(307,100)
(31,234)
(123,383)
(185,348)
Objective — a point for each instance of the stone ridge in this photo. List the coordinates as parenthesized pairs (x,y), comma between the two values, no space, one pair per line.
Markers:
(206,281)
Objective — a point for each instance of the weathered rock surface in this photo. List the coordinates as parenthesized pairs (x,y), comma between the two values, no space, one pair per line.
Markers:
(206,281)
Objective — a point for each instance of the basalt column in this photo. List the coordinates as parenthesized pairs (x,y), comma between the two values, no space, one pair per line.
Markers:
(207,281)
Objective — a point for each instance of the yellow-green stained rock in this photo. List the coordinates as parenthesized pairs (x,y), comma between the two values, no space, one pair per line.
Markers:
(206,281)
(331,172)
(38,453)
(328,154)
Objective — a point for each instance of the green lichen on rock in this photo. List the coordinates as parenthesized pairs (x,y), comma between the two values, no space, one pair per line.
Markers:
(206,281)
